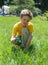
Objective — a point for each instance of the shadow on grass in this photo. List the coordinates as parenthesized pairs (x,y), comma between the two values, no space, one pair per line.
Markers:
(16,49)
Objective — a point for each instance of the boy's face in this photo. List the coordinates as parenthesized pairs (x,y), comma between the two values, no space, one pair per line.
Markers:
(25,20)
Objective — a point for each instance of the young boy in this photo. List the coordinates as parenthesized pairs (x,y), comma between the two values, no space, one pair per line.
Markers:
(22,31)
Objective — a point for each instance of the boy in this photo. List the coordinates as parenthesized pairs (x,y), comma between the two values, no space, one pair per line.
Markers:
(22,31)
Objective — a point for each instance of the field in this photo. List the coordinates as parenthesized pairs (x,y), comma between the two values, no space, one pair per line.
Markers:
(13,55)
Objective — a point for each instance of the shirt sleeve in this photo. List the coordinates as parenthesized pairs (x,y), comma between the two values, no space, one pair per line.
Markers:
(31,29)
(14,31)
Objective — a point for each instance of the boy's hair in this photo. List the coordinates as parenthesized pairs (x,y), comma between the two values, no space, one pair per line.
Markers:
(26,12)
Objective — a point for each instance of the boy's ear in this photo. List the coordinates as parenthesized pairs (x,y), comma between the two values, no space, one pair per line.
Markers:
(20,17)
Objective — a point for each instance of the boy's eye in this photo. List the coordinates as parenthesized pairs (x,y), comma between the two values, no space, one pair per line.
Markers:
(24,19)
(27,20)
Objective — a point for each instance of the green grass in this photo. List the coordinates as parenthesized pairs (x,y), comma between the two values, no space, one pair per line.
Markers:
(13,55)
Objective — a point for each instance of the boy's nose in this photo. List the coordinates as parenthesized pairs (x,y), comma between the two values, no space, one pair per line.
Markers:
(25,22)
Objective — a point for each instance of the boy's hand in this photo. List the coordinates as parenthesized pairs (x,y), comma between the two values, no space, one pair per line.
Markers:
(13,39)
(29,40)
(27,45)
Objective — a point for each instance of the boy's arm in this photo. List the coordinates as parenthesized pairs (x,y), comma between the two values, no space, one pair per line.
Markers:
(31,29)
(29,40)
(14,32)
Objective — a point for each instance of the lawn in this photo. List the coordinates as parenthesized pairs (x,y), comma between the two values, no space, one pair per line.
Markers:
(13,55)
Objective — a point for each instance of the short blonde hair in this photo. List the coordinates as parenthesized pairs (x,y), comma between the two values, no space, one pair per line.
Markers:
(26,12)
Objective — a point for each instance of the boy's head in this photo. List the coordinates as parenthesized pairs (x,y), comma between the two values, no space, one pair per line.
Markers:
(26,16)
(26,12)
